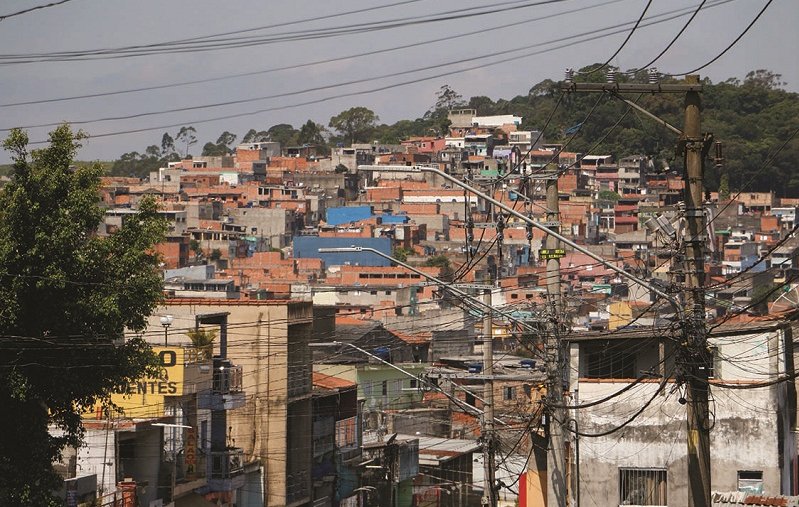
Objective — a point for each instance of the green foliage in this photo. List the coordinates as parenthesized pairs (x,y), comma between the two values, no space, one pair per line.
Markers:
(254,136)
(216,254)
(203,341)
(67,295)
(355,124)
(401,254)
(443,262)
(724,187)
(187,136)
(222,146)
(283,133)
(139,165)
(609,195)
(314,134)
(341,168)
(194,246)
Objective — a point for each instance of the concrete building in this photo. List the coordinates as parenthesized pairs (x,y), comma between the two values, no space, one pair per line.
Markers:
(752,440)
(269,341)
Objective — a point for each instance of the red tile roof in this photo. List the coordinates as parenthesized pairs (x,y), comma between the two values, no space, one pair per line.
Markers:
(330,382)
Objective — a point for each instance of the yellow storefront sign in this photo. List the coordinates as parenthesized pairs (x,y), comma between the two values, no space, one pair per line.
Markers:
(145,397)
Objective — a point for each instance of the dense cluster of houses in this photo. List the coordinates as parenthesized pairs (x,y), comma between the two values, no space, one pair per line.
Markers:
(341,379)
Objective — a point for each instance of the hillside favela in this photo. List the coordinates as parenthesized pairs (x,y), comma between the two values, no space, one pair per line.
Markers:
(408,254)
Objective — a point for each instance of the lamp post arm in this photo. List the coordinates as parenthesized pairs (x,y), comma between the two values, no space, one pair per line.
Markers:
(671,299)
(440,282)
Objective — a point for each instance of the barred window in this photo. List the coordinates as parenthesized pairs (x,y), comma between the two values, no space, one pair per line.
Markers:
(642,486)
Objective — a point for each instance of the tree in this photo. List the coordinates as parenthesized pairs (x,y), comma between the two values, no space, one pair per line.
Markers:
(311,133)
(167,145)
(283,133)
(67,296)
(226,139)
(254,136)
(724,187)
(447,99)
(355,124)
(765,79)
(194,246)
(213,150)
(401,254)
(187,136)
(441,261)
(222,146)
(137,164)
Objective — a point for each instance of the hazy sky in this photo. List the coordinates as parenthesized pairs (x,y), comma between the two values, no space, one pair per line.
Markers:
(80,25)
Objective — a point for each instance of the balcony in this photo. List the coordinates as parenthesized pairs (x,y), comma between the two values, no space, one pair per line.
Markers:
(297,486)
(227,469)
(226,391)
(299,381)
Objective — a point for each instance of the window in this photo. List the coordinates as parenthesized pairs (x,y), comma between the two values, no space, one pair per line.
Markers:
(714,368)
(509,393)
(750,481)
(470,399)
(610,362)
(385,387)
(642,486)
(413,383)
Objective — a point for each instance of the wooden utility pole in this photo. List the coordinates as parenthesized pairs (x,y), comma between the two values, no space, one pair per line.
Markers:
(694,355)
(489,495)
(556,449)
(696,352)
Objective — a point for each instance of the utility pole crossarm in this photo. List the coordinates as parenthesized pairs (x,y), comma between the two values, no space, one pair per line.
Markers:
(630,87)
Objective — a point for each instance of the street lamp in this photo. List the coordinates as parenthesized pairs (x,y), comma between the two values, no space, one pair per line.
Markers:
(166,321)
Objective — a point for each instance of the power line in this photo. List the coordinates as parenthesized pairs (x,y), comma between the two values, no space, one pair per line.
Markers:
(624,43)
(733,43)
(31,9)
(481,31)
(312,34)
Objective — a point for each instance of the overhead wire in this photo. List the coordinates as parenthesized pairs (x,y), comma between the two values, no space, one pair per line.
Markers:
(3,17)
(592,36)
(624,43)
(238,75)
(730,46)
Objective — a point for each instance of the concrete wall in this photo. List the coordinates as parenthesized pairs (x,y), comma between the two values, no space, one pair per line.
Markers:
(751,427)
(276,224)
(745,437)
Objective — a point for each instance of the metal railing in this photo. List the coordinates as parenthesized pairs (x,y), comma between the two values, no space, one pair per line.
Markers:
(297,486)
(228,463)
(642,486)
(227,379)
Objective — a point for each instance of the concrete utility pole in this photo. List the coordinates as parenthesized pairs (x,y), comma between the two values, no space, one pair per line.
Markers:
(556,448)
(489,495)
(696,352)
